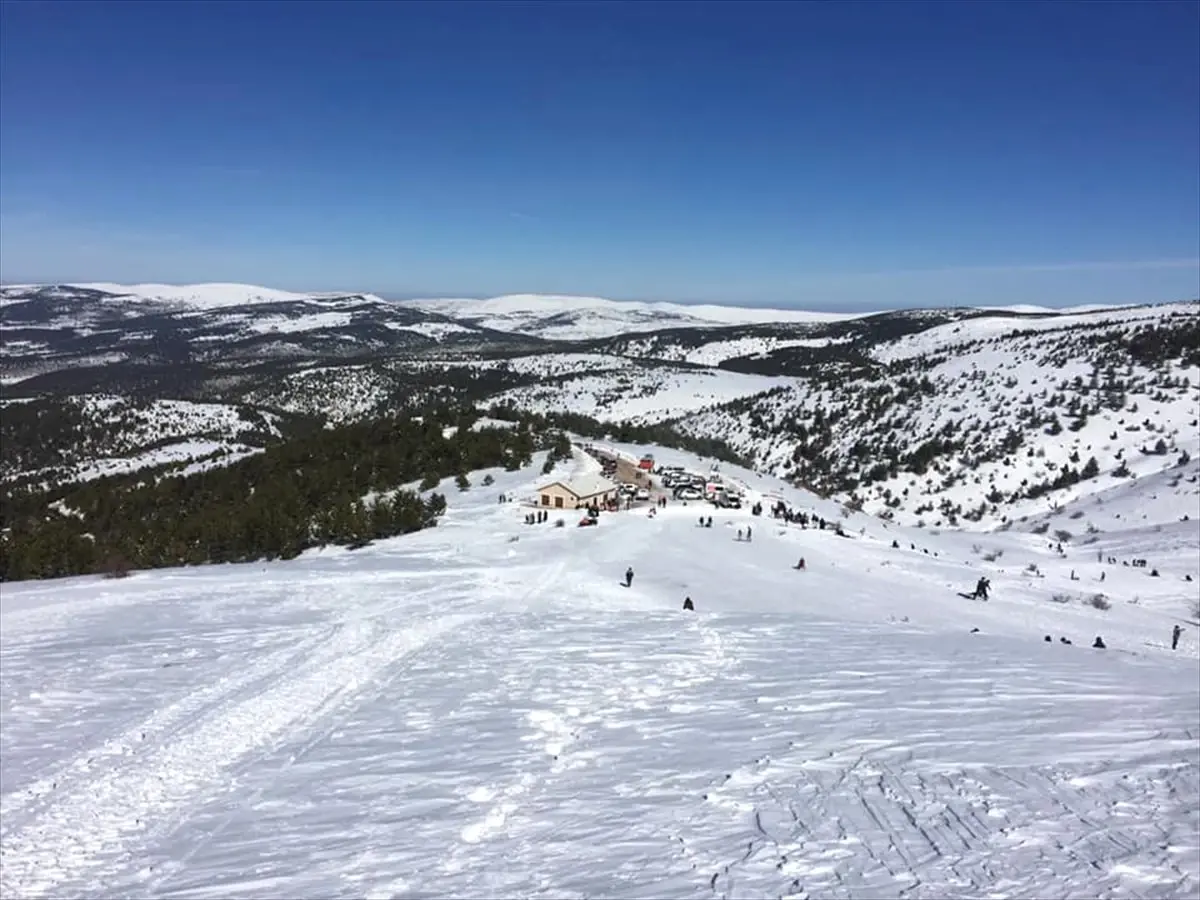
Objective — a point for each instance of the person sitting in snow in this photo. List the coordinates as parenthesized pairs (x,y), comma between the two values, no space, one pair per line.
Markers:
(687,603)
(800,565)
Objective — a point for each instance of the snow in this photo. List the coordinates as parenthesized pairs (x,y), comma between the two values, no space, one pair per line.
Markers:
(480,710)
(265,324)
(559,317)
(181,452)
(639,394)
(940,337)
(196,296)
(436,330)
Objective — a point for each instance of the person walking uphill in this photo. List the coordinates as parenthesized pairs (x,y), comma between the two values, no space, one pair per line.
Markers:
(629,577)
(1175,633)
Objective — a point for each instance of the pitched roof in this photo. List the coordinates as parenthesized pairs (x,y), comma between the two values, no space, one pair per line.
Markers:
(587,485)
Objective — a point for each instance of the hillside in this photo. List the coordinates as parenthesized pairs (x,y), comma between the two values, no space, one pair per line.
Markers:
(585,318)
(968,418)
(481,709)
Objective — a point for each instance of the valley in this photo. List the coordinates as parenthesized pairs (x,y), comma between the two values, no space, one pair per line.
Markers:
(275,620)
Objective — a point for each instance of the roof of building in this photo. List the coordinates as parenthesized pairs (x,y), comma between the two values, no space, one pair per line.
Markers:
(587,485)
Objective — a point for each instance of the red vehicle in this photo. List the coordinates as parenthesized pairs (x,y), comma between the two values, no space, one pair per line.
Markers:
(646,462)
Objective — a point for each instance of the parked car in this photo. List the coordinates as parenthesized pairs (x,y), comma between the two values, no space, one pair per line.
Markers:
(642,494)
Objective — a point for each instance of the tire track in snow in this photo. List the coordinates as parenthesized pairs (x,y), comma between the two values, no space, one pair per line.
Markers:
(127,748)
(99,823)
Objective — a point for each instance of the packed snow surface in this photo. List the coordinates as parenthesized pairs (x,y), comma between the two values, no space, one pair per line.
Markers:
(482,710)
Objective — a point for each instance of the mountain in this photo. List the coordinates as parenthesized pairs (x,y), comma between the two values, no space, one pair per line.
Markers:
(481,709)
(966,417)
(583,318)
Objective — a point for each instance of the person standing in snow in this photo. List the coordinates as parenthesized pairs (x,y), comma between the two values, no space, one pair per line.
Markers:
(687,604)
(629,577)
(1175,633)
(748,533)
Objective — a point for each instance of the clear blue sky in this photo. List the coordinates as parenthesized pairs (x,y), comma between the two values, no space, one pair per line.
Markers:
(823,155)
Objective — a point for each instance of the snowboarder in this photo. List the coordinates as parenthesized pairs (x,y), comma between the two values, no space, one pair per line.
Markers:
(1175,633)
(708,524)
(687,604)
(1098,644)
(800,565)
(629,577)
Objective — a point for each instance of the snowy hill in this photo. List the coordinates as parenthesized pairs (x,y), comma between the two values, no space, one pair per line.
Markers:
(481,710)
(80,438)
(585,318)
(960,417)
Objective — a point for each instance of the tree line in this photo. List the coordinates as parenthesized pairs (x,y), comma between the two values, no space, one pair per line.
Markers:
(343,485)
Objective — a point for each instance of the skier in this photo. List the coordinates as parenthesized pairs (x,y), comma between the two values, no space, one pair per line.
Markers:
(800,565)
(748,533)
(1175,633)
(629,577)
(687,604)
(739,534)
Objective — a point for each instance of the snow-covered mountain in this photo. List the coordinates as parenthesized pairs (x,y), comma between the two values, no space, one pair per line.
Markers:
(481,709)
(948,417)
(570,318)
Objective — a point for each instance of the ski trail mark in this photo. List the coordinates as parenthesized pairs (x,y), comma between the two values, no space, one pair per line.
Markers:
(97,823)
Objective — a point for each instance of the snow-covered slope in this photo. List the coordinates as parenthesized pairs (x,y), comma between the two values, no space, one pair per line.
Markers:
(582,318)
(481,710)
(204,296)
(91,436)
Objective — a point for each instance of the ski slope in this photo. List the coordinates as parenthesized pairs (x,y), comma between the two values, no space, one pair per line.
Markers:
(482,710)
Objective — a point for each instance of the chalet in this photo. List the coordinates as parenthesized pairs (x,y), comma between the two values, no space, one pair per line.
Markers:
(577,493)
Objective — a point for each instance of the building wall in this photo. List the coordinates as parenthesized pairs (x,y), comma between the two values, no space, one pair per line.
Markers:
(555,496)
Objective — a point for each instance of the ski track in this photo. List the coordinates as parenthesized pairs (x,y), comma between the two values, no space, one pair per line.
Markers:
(95,823)
(479,710)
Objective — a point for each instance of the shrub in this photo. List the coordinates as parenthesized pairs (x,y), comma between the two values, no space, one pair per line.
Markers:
(488,480)
(1062,536)
(116,566)
(1098,601)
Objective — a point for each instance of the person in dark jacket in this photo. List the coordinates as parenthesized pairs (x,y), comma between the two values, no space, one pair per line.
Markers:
(687,603)
(629,577)
(1175,633)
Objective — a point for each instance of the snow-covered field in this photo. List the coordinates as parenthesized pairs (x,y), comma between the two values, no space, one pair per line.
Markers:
(481,710)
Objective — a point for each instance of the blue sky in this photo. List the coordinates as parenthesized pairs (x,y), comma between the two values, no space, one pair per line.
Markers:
(840,155)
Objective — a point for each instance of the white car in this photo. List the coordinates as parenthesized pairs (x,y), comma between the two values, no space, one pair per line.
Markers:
(643,494)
